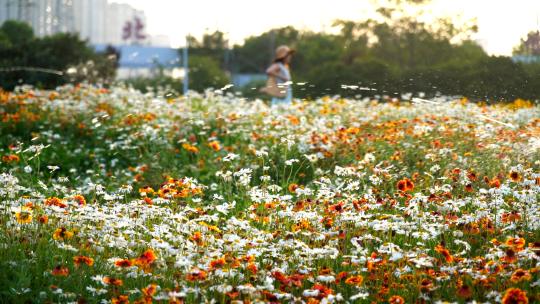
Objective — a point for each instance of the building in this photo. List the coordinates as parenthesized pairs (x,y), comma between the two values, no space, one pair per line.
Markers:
(97,21)
(102,24)
(91,20)
(526,58)
(121,23)
(146,61)
(528,50)
(46,17)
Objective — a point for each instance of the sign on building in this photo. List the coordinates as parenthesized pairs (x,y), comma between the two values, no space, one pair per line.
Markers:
(133,30)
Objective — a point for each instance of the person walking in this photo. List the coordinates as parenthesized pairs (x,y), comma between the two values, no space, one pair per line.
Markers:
(280,70)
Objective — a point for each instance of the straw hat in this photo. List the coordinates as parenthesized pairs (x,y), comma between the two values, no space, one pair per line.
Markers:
(282,51)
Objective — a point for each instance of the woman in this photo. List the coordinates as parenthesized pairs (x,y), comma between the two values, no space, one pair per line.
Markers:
(281,71)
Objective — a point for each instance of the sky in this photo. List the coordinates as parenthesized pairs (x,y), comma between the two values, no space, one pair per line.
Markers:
(502,23)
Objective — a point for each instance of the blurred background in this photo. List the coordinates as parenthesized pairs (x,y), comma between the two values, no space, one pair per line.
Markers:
(484,50)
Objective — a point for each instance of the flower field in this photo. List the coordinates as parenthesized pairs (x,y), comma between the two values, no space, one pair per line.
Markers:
(118,196)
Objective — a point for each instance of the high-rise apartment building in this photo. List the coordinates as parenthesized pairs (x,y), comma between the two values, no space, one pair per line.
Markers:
(45,16)
(97,21)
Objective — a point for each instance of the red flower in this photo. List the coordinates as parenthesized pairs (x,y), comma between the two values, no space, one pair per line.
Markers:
(196,275)
(80,199)
(405,185)
(123,263)
(396,300)
(515,296)
(447,256)
(60,271)
(217,263)
(81,259)
(121,299)
(148,257)
(354,280)
(113,281)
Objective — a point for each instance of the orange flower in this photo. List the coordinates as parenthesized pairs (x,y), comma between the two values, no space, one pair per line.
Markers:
(426,285)
(401,185)
(520,275)
(293,119)
(341,276)
(197,238)
(55,201)
(327,222)
(24,216)
(472,176)
(251,267)
(509,217)
(60,271)
(514,176)
(464,292)
(355,280)
(396,300)
(196,275)
(336,207)
(146,191)
(190,148)
(214,145)
(113,281)
(81,259)
(146,258)
(515,296)
(495,183)
(510,256)
(405,185)
(121,299)
(123,263)
(80,199)
(323,291)
(149,290)
(217,263)
(409,184)
(43,219)
(10,158)
(447,256)
(292,188)
(62,234)
(515,243)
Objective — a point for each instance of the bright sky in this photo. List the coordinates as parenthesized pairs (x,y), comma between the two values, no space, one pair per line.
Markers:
(501,22)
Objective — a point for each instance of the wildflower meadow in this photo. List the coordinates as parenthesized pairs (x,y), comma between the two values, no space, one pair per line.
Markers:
(115,196)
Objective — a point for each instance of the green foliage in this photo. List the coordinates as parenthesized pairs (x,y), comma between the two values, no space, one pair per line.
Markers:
(18,33)
(257,51)
(348,158)
(204,72)
(44,62)
(212,44)
(154,84)
(392,55)
(529,46)
(251,90)
(4,41)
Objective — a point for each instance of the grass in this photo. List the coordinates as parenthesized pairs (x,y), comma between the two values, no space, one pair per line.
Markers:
(210,198)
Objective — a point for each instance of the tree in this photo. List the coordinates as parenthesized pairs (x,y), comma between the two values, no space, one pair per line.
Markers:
(5,43)
(18,33)
(45,61)
(204,73)
(257,52)
(529,46)
(213,45)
